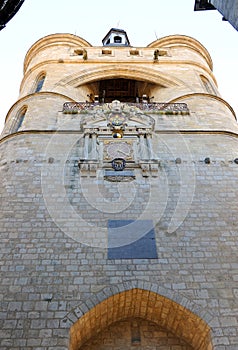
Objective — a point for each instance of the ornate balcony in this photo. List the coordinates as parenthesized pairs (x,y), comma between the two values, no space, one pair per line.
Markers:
(161,108)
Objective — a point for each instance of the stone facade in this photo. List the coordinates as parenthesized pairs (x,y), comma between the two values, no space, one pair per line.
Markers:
(93,257)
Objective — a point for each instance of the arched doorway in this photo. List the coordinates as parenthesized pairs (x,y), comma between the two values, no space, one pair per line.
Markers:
(135,333)
(143,318)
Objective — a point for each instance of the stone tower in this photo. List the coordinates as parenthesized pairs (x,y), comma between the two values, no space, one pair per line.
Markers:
(119,169)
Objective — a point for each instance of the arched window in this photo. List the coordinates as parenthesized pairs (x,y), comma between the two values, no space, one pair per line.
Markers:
(117,39)
(207,85)
(39,82)
(19,119)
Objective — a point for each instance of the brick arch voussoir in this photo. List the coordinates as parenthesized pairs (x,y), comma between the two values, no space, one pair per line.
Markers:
(140,299)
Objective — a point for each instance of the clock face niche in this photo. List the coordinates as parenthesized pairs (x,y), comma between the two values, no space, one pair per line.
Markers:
(117,149)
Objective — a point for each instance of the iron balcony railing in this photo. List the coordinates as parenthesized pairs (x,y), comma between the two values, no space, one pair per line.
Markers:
(163,108)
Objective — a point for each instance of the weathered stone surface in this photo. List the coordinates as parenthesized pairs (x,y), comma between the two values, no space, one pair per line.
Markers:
(56,278)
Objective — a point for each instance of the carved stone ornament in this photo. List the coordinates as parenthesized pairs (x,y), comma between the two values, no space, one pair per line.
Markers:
(118,164)
(119,178)
(133,146)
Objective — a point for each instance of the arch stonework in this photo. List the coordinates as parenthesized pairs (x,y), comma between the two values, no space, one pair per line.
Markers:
(147,301)
(120,71)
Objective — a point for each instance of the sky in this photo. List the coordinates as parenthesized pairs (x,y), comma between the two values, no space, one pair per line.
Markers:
(143,21)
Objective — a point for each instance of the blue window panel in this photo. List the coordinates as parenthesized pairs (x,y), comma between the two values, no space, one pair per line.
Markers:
(19,121)
(40,83)
(131,239)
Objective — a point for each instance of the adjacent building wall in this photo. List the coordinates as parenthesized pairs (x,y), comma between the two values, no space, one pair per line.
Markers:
(229,9)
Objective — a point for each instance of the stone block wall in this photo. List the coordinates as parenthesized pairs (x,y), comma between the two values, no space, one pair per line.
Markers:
(54,255)
(149,263)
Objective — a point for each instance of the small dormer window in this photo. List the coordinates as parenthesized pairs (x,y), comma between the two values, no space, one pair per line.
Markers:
(117,39)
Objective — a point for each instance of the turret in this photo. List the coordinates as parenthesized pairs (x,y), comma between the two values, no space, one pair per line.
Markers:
(116,37)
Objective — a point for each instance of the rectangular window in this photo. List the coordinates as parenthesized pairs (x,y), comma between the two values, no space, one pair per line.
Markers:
(134,52)
(106,52)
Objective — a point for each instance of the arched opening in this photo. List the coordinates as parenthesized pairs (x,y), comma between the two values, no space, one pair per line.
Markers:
(90,82)
(127,317)
(207,85)
(117,39)
(135,332)
(19,119)
(40,82)
(122,89)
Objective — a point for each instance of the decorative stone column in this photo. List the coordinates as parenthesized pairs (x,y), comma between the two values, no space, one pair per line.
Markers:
(86,144)
(142,144)
(149,145)
(94,145)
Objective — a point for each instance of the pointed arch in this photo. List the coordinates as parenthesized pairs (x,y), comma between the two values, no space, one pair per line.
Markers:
(118,303)
(39,82)
(20,116)
(207,85)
